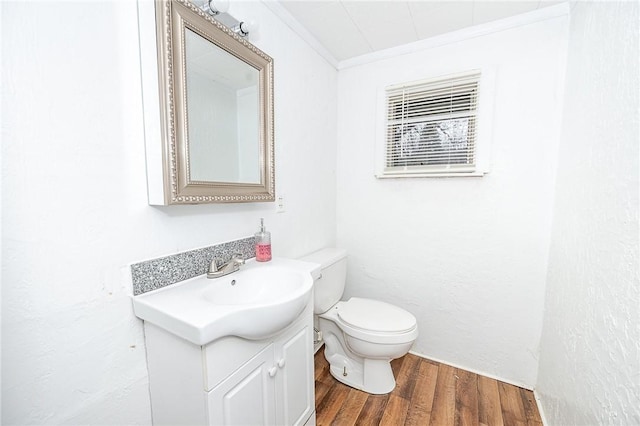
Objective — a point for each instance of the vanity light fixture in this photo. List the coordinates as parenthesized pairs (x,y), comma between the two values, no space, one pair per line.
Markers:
(218,10)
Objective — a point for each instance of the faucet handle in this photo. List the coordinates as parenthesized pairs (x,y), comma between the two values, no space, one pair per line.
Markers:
(238,257)
(215,264)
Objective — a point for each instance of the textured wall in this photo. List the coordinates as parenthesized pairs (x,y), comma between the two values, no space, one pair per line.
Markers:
(75,210)
(590,349)
(467,256)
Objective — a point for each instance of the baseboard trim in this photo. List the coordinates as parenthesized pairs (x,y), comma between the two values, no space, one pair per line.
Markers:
(482,373)
(536,395)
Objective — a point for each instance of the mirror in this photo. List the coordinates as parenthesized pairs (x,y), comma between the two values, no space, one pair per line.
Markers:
(216,112)
(222,111)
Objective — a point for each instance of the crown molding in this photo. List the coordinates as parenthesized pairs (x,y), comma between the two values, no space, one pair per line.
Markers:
(538,15)
(281,12)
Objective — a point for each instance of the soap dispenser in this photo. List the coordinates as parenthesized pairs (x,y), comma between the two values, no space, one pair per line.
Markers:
(263,244)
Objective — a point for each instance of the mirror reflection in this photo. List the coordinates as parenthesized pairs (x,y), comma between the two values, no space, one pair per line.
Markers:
(223,110)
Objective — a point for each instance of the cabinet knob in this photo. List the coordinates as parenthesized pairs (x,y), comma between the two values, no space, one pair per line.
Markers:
(281,363)
(272,371)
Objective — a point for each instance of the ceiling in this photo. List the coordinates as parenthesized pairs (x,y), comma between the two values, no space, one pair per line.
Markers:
(348,28)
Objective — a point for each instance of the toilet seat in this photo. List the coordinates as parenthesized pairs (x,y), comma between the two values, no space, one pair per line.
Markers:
(375,321)
(374,315)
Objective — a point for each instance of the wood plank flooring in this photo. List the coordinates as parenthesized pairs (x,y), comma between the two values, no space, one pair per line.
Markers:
(427,394)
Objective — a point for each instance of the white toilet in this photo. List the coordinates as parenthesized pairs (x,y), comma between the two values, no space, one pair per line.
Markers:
(361,336)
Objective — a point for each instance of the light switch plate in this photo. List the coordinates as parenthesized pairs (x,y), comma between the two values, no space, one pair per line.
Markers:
(280,204)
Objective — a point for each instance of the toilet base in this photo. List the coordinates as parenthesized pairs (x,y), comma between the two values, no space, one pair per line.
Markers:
(375,378)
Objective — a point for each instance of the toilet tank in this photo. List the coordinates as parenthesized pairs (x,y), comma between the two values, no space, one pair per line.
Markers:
(328,289)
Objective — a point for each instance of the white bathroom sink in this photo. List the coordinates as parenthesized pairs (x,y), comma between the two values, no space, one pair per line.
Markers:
(255,302)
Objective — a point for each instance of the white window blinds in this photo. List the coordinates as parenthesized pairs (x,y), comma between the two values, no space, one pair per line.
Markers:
(431,126)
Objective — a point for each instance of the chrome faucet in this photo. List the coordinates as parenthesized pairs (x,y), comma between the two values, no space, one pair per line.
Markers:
(219,269)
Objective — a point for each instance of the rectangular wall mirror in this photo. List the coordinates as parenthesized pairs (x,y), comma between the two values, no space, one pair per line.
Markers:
(208,109)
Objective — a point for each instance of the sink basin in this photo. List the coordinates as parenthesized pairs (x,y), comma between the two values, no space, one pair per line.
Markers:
(255,302)
(254,286)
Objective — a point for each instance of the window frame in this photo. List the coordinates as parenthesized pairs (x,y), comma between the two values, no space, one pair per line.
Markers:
(483,125)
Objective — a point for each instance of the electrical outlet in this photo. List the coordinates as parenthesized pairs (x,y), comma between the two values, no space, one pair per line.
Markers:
(280,204)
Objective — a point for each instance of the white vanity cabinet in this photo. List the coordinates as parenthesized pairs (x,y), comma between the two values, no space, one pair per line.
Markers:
(233,381)
(272,388)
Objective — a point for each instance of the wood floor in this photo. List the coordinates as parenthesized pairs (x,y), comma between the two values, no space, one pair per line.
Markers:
(426,393)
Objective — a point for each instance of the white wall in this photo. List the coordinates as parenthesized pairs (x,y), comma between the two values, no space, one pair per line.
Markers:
(590,349)
(467,256)
(75,207)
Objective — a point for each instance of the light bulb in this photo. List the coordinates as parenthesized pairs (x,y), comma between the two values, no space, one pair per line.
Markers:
(219,6)
(246,27)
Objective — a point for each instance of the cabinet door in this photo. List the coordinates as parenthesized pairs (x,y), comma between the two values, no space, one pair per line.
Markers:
(247,396)
(294,359)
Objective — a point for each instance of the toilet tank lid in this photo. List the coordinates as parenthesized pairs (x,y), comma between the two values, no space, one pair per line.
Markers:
(326,257)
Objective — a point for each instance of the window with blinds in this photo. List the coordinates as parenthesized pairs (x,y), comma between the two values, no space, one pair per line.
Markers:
(431,126)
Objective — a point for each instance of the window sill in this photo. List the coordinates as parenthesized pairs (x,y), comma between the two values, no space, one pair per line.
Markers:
(429,175)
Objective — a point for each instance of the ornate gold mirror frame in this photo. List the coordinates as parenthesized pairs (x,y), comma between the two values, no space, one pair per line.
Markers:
(172,184)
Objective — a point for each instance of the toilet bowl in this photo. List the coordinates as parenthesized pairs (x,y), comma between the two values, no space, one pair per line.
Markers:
(361,335)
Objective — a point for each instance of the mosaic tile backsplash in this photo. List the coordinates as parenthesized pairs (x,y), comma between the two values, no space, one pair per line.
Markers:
(163,271)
